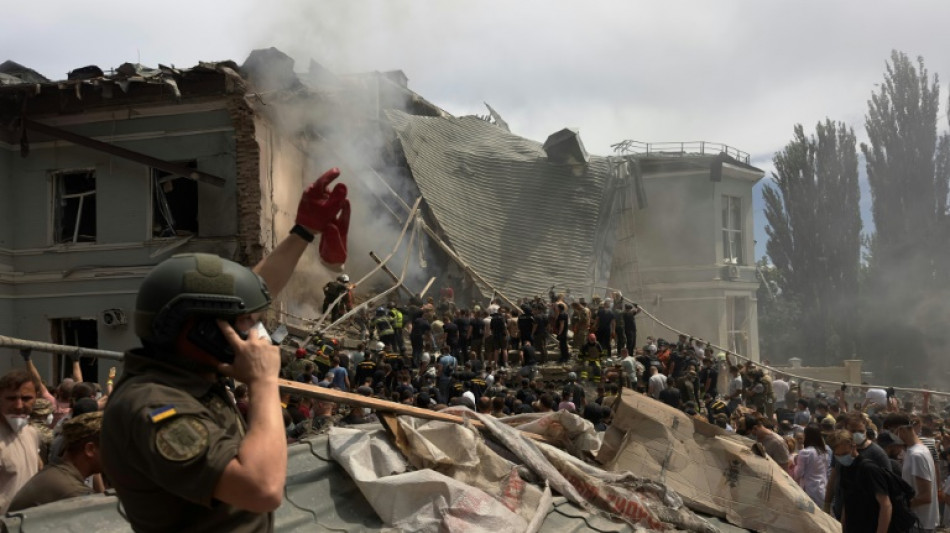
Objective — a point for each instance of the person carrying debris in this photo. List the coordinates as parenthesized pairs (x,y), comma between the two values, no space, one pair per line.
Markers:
(173,444)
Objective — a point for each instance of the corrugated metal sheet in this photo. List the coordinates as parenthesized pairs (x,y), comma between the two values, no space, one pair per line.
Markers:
(319,496)
(520,221)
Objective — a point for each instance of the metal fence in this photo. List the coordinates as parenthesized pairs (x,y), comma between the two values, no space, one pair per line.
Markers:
(679,149)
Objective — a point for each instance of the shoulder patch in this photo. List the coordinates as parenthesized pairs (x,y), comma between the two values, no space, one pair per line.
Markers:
(182,439)
(162,413)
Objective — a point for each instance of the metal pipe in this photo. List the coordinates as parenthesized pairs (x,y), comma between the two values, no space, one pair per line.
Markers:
(402,235)
(385,293)
(89,353)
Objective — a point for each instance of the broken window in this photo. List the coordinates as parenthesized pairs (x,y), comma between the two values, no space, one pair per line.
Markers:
(737,319)
(74,206)
(732,230)
(174,203)
(74,332)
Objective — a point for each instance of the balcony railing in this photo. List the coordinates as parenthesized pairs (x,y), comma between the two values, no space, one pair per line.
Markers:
(679,149)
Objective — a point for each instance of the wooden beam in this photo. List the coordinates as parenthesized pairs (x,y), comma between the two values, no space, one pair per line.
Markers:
(138,157)
(386,406)
(390,273)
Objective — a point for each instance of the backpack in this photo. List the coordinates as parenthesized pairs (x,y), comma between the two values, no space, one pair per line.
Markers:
(900,493)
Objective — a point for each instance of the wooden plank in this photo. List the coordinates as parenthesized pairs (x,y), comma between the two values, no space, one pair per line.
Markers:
(385,406)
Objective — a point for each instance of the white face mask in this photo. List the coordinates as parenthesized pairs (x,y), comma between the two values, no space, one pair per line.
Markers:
(259,329)
(17,422)
(49,419)
(859,437)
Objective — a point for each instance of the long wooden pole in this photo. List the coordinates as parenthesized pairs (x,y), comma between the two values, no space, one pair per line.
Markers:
(358,400)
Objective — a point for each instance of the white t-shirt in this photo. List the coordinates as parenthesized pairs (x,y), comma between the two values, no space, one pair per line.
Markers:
(780,389)
(919,463)
(657,384)
(878,396)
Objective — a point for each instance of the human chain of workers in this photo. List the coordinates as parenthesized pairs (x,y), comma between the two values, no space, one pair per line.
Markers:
(193,434)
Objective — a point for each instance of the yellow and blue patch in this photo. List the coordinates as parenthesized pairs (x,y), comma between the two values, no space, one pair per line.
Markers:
(162,413)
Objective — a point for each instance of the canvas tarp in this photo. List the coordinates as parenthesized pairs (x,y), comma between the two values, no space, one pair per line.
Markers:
(459,485)
(715,472)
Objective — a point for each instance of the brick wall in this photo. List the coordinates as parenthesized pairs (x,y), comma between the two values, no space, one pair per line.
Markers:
(247,161)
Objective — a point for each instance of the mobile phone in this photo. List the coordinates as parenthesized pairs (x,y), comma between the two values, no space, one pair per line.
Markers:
(206,335)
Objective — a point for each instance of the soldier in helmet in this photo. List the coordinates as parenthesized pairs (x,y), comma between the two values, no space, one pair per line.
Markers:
(173,444)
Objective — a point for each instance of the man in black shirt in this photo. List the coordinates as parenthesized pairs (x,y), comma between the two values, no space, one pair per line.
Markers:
(708,378)
(604,326)
(420,329)
(541,332)
(452,335)
(560,331)
(478,333)
(526,325)
(464,326)
(864,488)
(671,395)
(630,311)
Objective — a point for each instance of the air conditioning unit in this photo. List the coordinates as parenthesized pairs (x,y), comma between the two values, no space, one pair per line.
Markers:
(113,318)
(732,271)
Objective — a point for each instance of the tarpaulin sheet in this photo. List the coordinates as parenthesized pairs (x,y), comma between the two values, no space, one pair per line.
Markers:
(713,471)
(622,496)
(464,486)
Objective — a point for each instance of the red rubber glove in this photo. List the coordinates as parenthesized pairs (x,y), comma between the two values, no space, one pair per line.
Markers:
(333,238)
(319,206)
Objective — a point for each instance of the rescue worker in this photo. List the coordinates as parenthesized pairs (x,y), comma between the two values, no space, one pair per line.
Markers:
(397,320)
(590,354)
(331,291)
(173,444)
(384,328)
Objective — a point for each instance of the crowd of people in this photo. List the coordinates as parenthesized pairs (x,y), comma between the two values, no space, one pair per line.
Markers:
(194,434)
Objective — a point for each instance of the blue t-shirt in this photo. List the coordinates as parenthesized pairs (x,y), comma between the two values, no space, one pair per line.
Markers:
(339,377)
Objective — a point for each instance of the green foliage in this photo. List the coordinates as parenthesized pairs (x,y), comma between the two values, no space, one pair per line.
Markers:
(908,169)
(814,230)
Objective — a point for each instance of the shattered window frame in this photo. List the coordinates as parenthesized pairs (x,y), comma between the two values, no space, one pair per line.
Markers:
(737,323)
(74,202)
(164,224)
(732,230)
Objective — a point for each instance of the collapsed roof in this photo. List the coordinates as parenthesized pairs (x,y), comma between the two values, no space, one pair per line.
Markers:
(522,219)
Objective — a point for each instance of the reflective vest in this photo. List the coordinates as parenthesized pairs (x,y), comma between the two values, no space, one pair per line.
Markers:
(396,315)
(383,326)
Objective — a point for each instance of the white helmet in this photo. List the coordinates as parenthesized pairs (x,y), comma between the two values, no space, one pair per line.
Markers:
(425,357)
(651,348)
(343,278)
(379,346)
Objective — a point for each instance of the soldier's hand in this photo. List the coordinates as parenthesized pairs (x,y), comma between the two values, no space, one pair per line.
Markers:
(255,359)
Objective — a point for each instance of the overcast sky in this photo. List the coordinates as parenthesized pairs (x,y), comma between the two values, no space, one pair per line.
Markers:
(739,73)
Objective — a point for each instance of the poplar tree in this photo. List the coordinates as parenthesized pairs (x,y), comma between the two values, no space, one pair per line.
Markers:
(814,237)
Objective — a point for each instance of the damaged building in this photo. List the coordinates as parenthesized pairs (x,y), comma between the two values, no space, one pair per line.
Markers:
(105,174)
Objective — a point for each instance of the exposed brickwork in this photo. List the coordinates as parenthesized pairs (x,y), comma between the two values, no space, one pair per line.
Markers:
(248,165)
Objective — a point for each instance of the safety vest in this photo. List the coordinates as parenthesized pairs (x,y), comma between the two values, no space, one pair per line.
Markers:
(396,315)
(383,326)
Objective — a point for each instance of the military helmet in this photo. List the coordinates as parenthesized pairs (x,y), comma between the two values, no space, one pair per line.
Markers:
(186,285)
